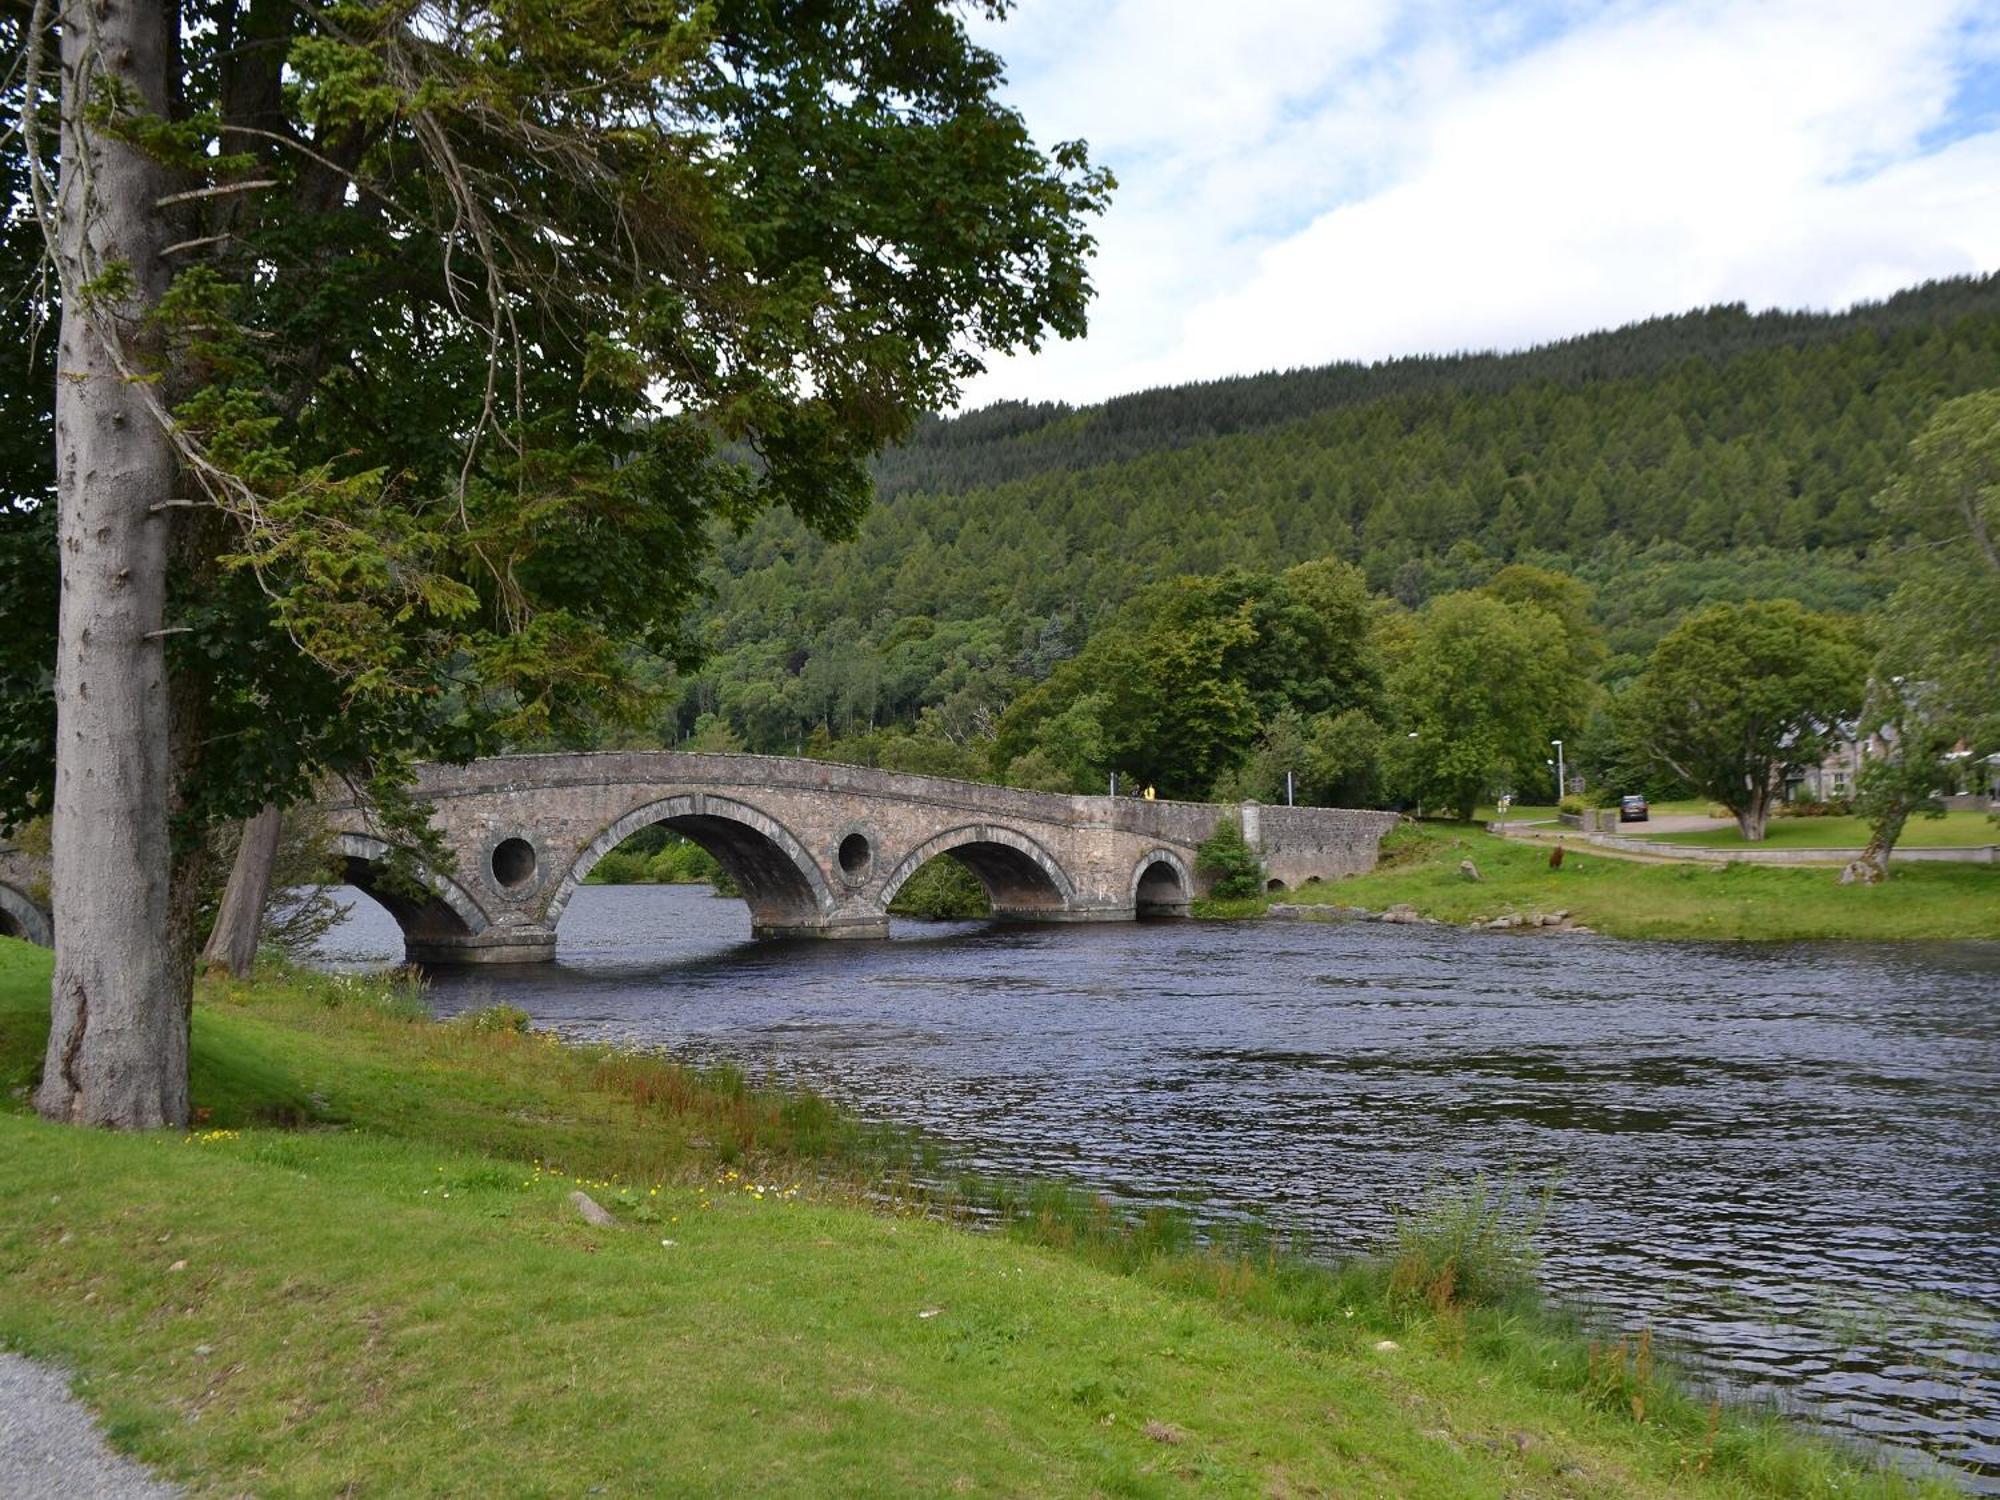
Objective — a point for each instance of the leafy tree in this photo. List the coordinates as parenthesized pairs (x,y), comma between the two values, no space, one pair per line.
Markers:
(412,352)
(1232,866)
(1937,679)
(1192,671)
(1742,693)
(1343,759)
(1483,687)
(1568,599)
(1903,778)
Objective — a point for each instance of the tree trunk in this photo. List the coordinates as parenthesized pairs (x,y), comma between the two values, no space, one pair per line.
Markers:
(232,943)
(118,1042)
(1752,817)
(1882,837)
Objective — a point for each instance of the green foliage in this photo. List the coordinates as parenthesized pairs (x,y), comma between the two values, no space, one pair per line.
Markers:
(1468,1245)
(1178,687)
(1234,872)
(507,1018)
(1483,688)
(510,316)
(658,856)
(1938,639)
(1008,538)
(943,889)
(1740,693)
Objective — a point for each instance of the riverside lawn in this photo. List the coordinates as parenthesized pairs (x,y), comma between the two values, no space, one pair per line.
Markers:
(1643,899)
(359,1275)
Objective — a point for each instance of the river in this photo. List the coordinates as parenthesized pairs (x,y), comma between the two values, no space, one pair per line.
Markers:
(1784,1159)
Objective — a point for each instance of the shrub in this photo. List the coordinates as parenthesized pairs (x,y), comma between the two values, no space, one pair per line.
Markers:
(1232,866)
(683,862)
(943,889)
(1838,807)
(618,868)
(497,1018)
(1572,804)
(1467,1246)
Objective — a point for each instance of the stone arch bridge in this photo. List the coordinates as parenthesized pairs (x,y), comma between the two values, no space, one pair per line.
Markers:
(819,849)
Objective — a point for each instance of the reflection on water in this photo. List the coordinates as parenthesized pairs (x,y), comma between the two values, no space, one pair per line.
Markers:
(1786,1160)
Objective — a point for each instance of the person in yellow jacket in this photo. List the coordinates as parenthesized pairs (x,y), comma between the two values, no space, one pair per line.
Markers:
(1149,794)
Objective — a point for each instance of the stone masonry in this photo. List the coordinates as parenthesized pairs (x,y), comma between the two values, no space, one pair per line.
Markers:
(819,849)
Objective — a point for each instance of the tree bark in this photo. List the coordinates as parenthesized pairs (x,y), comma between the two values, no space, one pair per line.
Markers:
(1753,816)
(232,942)
(118,1040)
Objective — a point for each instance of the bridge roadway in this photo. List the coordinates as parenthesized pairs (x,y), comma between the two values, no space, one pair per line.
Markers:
(819,849)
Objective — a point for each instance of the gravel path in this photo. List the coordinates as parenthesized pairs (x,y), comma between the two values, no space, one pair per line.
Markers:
(50,1448)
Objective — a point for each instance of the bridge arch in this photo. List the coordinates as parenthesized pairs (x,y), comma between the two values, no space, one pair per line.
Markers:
(21,918)
(445,914)
(781,883)
(1020,876)
(1162,885)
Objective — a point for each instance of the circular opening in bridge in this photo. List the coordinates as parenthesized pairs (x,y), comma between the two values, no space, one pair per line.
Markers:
(8,926)
(513,863)
(1274,885)
(855,853)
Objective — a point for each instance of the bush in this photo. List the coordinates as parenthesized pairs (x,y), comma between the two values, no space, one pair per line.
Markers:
(942,889)
(1232,866)
(497,1018)
(1838,807)
(1470,1246)
(618,868)
(1572,804)
(683,862)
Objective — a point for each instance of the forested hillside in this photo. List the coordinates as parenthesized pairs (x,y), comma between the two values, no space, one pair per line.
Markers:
(1717,455)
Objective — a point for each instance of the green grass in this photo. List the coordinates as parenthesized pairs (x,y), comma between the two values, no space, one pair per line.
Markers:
(359,1276)
(1629,898)
(1953,830)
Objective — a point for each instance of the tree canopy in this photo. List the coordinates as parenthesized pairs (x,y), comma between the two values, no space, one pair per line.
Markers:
(442,339)
(1742,693)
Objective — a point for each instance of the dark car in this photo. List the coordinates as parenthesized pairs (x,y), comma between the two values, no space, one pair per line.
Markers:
(1633,810)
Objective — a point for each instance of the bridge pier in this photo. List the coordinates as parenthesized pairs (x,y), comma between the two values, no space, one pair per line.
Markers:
(495,945)
(827,927)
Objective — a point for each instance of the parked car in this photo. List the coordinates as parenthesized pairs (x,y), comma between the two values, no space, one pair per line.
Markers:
(1633,810)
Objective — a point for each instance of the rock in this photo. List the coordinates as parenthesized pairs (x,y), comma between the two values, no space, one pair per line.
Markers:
(1387,1346)
(593,1212)
(1861,872)
(1563,915)
(1165,1432)
(1401,912)
(1469,870)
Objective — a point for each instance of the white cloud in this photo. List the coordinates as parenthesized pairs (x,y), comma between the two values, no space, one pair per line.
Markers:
(1303,183)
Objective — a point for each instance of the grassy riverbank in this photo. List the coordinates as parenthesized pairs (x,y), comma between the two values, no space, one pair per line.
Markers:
(360,1275)
(1630,898)
(1952,830)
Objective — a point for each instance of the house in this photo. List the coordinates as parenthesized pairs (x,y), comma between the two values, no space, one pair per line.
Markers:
(1966,783)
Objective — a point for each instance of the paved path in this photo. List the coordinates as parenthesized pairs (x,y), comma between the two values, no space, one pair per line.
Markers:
(50,1448)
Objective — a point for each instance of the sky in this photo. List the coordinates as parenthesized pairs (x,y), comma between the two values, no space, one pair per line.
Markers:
(1304,181)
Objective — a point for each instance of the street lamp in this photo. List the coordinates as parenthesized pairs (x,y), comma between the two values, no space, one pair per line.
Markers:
(1562,784)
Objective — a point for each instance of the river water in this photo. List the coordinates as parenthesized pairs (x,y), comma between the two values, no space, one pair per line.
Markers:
(1785,1160)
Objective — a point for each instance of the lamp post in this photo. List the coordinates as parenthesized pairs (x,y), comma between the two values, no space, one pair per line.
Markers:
(1562,782)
